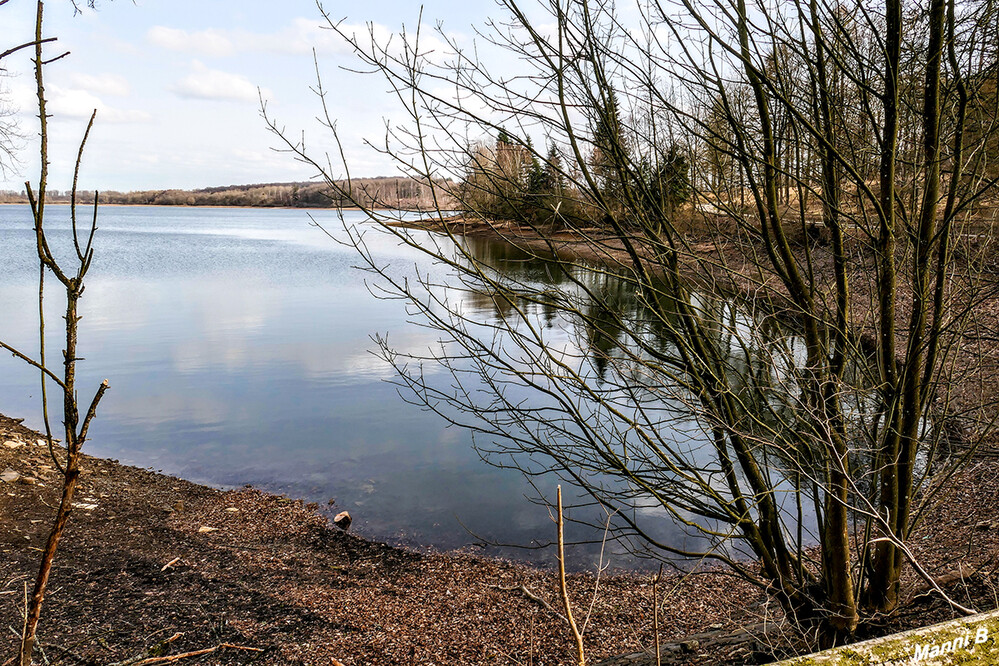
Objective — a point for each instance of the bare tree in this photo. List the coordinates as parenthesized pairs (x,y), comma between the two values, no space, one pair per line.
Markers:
(76,424)
(797,430)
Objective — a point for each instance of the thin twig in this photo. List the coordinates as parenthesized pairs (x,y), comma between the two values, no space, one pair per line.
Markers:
(655,613)
(578,637)
(170,564)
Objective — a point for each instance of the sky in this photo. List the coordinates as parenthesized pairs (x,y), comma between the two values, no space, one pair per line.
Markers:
(175,84)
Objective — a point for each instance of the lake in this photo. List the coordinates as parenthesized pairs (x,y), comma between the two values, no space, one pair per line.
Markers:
(238,347)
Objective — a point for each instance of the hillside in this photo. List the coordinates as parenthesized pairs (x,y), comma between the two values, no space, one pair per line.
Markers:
(386,192)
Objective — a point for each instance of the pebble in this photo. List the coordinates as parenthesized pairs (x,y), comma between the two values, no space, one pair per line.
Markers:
(12,444)
(9,476)
(342,520)
(205,529)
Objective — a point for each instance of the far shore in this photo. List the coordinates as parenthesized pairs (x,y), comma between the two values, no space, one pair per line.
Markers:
(83,204)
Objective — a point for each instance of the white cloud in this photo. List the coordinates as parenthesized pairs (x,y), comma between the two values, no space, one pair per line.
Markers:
(23,98)
(76,103)
(300,36)
(119,116)
(205,83)
(101,84)
(205,42)
(304,35)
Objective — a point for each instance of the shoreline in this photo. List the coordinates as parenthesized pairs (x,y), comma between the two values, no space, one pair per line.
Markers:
(140,546)
(153,205)
(147,556)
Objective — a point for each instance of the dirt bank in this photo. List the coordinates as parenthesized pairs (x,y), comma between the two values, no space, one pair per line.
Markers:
(265,572)
(149,556)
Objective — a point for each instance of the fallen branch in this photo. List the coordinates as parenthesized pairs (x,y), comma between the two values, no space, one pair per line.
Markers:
(195,653)
(960,574)
(158,648)
(523,589)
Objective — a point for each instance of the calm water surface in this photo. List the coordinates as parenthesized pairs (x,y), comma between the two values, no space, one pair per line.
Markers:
(237,344)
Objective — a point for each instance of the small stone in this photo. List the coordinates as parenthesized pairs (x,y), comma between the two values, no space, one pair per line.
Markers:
(715,627)
(342,520)
(9,476)
(204,529)
(41,442)
(86,506)
(11,444)
(232,509)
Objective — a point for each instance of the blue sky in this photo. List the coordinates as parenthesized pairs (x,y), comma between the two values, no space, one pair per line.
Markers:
(175,85)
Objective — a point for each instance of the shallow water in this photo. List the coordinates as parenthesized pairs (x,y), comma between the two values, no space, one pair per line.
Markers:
(238,347)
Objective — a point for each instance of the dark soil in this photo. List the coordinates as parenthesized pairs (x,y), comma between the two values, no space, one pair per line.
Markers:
(147,557)
(275,575)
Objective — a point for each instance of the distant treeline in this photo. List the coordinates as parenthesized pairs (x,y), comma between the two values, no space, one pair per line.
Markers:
(401,193)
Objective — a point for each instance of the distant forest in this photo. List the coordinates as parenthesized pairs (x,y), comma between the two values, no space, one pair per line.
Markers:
(395,193)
